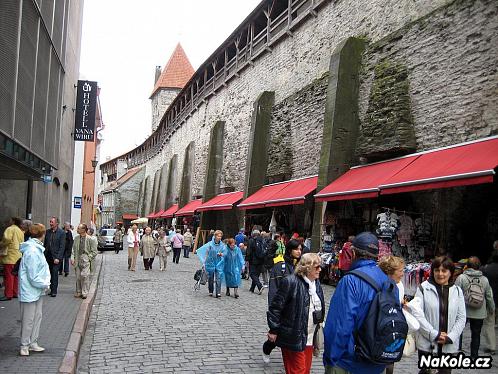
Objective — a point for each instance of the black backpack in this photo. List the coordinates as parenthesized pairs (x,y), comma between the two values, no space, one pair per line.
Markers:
(261,249)
(381,338)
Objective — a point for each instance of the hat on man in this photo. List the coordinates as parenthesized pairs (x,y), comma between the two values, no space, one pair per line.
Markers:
(368,242)
(256,232)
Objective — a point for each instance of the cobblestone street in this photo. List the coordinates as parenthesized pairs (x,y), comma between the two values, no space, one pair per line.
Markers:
(154,322)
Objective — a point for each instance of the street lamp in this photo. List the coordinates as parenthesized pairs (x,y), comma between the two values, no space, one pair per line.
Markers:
(94,165)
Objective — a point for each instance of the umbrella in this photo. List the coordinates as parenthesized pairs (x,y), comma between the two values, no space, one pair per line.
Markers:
(140,220)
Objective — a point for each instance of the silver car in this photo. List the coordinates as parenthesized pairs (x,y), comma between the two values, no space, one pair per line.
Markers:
(105,239)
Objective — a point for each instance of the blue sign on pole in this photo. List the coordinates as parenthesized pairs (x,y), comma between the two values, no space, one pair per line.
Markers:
(77,202)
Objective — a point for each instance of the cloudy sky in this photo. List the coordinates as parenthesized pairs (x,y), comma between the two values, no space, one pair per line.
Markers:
(124,40)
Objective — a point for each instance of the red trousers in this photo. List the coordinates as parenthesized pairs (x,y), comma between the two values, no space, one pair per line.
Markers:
(11,281)
(298,362)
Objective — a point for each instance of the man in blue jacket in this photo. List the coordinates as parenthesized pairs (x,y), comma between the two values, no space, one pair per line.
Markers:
(348,309)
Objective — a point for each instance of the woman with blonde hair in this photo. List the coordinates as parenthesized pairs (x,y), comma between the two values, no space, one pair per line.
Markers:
(394,267)
(296,310)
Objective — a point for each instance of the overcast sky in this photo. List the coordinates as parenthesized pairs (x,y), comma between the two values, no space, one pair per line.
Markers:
(124,40)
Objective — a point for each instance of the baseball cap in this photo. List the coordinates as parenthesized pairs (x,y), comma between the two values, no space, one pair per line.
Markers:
(368,242)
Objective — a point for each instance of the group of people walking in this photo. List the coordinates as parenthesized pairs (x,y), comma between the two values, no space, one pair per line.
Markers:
(158,243)
(33,258)
(436,316)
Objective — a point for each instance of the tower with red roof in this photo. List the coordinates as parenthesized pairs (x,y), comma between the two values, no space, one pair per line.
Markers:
(169,82)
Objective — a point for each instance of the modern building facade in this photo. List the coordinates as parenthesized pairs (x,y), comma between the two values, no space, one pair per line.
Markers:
(39,66)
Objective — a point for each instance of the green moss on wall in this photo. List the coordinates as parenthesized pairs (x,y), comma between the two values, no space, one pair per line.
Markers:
(387,128)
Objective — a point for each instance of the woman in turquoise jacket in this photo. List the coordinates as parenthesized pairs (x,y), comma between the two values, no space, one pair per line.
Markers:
(234,266)
(212,256)
(34,279)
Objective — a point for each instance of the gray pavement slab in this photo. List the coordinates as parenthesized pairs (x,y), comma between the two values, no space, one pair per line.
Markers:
(154,322)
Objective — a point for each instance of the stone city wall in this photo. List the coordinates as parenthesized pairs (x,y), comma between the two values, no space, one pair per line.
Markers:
(450,58)
(448,85)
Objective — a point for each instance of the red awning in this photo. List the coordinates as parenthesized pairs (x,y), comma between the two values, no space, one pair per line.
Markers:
(152,215)
(190,208)
(158,214)
(223,201)
(459,165)
(362,182)
(284,193)
(168,213)
(130,216)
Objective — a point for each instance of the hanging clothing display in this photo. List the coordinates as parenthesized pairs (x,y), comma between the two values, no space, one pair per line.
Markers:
(415,274)
(384,248)
(406,230)
(388,223)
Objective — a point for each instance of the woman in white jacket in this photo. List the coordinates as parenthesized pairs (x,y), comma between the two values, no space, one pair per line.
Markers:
(439,307)
(133,239)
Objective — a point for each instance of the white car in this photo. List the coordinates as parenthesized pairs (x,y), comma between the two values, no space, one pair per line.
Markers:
(105,239)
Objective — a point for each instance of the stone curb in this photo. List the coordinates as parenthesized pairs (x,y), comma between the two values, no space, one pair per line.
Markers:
(70,360)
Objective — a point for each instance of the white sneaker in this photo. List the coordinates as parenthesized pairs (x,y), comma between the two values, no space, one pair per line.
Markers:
(266,358)
(36,348)
(24,351)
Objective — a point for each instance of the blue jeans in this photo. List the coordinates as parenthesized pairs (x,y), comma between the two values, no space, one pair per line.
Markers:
(211,280)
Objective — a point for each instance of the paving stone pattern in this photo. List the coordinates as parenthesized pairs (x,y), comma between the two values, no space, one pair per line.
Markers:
(154,322)
(58,318)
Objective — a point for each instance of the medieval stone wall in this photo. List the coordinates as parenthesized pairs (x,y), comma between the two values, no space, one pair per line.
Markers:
(125,200)
(449,85)
(451,57)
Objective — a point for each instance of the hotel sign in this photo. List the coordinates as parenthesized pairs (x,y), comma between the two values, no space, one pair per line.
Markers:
(86,101)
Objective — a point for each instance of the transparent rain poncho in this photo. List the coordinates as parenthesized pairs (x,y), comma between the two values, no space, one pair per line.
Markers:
(234,262)
(212,256)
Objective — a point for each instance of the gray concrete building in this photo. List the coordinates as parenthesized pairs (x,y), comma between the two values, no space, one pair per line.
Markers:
(39,66)
(314,87)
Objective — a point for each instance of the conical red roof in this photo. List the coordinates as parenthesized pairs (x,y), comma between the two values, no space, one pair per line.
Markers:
(177,71)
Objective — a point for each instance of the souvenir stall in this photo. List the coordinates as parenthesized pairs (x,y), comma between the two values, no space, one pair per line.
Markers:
(433,203)
(284,206)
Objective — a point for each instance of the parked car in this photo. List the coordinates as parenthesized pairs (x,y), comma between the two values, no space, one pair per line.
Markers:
(104,239)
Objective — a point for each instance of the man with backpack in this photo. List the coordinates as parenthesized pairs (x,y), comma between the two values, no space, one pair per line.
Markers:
(256,256)
(479,301)
(351,317)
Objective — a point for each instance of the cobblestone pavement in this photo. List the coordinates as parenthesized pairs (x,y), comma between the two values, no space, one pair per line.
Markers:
(59,314)
(154,322)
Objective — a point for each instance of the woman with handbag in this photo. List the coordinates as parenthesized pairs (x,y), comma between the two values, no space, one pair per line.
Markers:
(163,250)
(133,239)
(296,313)
(148,246)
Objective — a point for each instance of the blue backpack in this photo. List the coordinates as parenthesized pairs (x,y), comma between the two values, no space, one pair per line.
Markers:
(381,338)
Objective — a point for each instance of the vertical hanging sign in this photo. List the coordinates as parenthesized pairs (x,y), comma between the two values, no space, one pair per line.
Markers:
(86,101)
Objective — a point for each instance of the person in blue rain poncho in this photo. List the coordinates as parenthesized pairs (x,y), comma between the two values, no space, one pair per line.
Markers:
(212,256)
(234,266)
